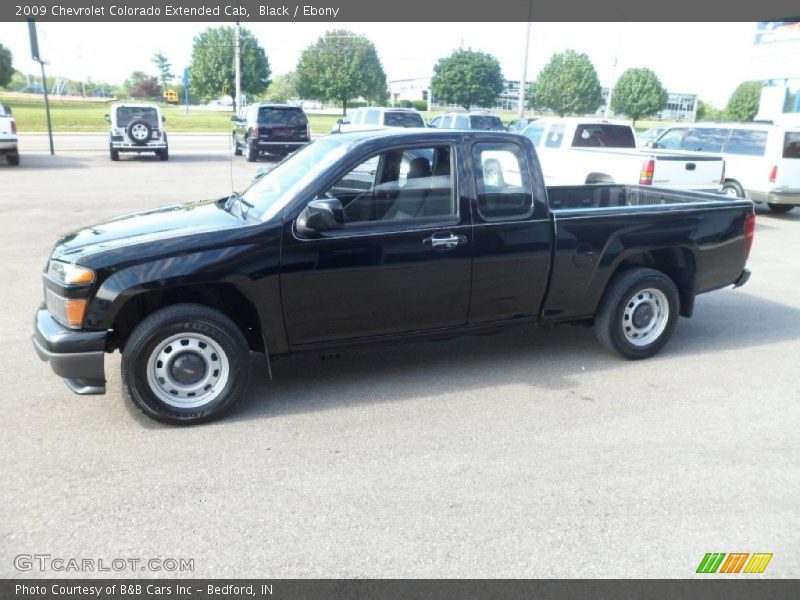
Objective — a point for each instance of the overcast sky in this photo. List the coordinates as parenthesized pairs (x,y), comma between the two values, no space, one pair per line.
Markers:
(708,59)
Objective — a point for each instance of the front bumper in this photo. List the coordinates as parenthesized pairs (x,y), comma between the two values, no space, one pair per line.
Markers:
(743,278)
(77,356)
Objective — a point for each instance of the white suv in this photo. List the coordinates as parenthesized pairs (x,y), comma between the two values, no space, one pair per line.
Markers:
(137,128)
(375,117)
(8,136)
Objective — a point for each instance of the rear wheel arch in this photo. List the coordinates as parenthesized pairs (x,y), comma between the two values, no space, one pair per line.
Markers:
(677,263)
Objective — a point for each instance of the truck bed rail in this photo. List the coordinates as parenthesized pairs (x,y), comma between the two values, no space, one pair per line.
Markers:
(615,195)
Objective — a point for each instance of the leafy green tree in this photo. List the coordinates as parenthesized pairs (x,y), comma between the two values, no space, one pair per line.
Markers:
(568,84)
(638,94)
(213,69)
(341,66)
(467,78)
(6,66)
(708,112)
(743,103)
(282,88)
(164,68)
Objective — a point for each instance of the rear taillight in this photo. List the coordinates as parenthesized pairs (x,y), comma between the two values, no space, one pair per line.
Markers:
(308,131)
(156,133)
(14,127)
(646,176)
(773,174)
(749,233)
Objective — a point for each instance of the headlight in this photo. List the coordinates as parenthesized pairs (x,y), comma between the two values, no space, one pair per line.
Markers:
(69,274)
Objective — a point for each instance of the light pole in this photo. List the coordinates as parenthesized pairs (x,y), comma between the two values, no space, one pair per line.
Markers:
(238,59)
(522,82)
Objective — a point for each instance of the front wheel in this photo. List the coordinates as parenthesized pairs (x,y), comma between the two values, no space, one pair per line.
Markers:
(638,313)
(780,209)
(186,363)
(12,159)
(252,152)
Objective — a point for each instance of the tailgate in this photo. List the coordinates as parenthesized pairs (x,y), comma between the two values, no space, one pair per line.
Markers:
(688,171)
(5,127)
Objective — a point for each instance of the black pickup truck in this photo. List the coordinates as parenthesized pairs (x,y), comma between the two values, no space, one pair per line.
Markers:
(372,237)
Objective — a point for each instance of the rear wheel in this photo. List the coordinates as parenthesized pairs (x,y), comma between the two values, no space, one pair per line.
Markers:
(163,154)
(638,313)
(12,159)
(114,153)
(780,209)
(186,363)
(235,148)
(733,188)
(252,153)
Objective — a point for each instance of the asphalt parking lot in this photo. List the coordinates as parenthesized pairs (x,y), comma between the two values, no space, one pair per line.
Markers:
(531,453)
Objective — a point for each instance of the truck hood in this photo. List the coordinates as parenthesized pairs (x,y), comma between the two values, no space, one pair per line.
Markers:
(155,225)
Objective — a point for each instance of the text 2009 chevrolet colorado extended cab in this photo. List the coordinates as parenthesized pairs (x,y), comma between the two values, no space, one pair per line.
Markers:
(375,236)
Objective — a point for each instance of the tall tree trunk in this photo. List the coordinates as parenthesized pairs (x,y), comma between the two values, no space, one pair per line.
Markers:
(344,107)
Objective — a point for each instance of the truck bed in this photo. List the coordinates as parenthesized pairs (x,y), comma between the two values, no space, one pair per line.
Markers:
(572,197)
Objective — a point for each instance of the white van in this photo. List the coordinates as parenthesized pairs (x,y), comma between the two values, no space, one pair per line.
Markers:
(762,160)
(378,117)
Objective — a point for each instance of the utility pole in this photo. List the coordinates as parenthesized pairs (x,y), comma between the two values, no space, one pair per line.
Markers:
(522,82)
(238,53)
(35,56)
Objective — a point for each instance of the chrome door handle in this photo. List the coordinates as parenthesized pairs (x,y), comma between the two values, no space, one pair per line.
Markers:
(446,241)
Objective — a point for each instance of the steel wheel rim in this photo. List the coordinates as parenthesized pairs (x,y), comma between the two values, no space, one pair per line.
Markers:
(645,316)
(161,371)
(729,191)
(139,131)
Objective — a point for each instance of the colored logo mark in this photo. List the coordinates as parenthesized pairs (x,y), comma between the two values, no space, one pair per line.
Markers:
(734,562)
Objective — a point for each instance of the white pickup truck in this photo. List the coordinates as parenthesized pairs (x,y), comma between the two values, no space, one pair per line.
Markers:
(8,136)
(577,151)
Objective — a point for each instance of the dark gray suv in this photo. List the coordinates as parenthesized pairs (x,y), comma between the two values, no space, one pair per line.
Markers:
(277,129)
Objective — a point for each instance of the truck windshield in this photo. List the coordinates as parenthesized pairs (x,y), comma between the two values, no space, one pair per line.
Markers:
(270,194)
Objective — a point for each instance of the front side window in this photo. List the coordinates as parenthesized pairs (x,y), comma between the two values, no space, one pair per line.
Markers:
(371,116)
(502,181)
(534,132)
(461,122)
(671,140)
(397,186)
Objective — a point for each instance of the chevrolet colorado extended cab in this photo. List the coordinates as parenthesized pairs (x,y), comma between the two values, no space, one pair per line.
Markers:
(371,237)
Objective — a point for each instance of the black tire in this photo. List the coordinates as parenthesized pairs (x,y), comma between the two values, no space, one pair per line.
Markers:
(225,369)
(237,149)
(13,159)
(114,153)
(139,132)
(625,295)
(163,153)
(252,153)
(733,188)
(780,209)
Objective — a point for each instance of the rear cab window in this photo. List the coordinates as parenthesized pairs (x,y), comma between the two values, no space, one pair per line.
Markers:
(603,135)
(126,114)
(402,119)
(486,123)
(555,136)
(281,116)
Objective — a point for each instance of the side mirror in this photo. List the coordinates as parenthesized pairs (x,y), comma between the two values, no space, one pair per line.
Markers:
(163,119)
(108,118)
(320,215)
(339,121)
(234,119)
(650,145)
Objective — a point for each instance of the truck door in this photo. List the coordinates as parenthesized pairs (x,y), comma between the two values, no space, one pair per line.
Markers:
(399,263)
(512,234)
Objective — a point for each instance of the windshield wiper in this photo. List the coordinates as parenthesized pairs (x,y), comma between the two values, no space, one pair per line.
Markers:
(236,199)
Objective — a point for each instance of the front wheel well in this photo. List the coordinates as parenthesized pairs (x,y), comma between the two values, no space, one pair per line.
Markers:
(676,263)
(225,298)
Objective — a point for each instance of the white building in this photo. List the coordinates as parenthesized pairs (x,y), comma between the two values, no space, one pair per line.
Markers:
(775,60)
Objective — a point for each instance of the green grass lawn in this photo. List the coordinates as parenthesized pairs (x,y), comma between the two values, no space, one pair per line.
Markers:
(69,117)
